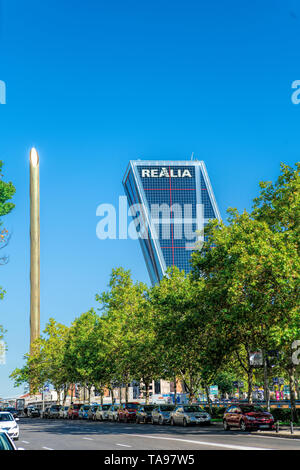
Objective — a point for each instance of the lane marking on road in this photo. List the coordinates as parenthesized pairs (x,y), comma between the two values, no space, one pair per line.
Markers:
(123,445)
(203,443)
(87,439)
(47,448)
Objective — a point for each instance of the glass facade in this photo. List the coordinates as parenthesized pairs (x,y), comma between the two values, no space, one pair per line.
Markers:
(171,202)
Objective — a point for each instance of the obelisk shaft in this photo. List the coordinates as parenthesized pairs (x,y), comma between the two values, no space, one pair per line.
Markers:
(34,250)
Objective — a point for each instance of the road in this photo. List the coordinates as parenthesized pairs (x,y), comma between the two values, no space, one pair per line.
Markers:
(40,434)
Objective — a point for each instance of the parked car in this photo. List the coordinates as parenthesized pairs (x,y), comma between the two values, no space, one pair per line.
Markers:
(127,412)
(9,425)
(92,412)
(6,443)
(247,417)
(102,412)
(144,414)
(161,414)
(189,414)
(12,410)
(54,411)
(112,413)
(33,412)
(63,412)
(45,413)
(83,411)
(73,410)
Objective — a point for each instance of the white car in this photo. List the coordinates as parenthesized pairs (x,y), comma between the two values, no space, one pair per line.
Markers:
(112,413)
(9,425)
(63,412)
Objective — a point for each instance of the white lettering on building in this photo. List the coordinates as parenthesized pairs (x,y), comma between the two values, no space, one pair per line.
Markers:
(164,173)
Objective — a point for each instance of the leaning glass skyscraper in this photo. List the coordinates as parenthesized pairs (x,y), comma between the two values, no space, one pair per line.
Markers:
(171,201)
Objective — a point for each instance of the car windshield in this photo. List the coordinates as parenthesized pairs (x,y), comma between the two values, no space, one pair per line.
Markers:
(192,409)
(4,443)
(132,406)
(87,407)
(148,408)
(6,417)
(251,409)
(105,407)
(167,408)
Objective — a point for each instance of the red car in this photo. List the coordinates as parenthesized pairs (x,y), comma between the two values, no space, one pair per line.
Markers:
(127,412)
(247,417)
(73,410)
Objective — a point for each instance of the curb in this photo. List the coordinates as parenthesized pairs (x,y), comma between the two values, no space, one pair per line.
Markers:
(274,434)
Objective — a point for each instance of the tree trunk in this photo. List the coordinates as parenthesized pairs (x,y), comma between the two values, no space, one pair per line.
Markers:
(250,376)
(66,389)
(297,385)
(126,393)
(208,398)
(250,384)
(291,372)
(57,394)
(147,391)
(175,389)
(266,381)
(112,395)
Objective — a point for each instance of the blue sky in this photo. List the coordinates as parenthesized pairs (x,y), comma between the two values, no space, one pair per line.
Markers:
(94,84)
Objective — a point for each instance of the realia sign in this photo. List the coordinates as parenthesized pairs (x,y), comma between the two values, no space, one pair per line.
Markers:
(165,173)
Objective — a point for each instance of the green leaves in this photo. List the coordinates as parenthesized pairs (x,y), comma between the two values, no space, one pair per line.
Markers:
(242,296)
(7,190)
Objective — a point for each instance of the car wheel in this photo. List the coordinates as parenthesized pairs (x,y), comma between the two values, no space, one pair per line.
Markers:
(185,422)
(172,422)
(137,421)
(243,426)
(152,421)
(160,421)
(226,425)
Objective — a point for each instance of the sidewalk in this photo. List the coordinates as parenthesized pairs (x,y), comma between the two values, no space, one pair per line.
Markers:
(284,431)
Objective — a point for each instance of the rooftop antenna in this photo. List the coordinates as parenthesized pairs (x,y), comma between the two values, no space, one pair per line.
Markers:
(192,156)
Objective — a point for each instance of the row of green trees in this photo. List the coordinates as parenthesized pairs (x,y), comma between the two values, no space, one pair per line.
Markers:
(241,296)
(7,191)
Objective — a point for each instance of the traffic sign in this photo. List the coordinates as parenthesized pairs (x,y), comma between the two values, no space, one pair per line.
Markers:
(213,390)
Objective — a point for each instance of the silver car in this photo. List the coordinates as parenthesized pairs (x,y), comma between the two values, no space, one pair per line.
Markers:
(102,413)
(112,413)
(162,414)
(189,414)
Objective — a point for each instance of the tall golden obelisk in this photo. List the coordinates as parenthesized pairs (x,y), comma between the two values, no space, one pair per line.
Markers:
(34,246)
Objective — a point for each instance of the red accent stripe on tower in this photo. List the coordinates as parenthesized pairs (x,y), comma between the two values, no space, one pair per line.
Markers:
(171,214)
